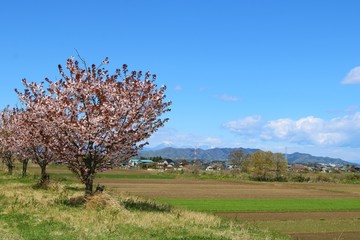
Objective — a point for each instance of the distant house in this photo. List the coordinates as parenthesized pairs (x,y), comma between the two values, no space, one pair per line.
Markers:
(214,167)
(169,162)
(209,168)
(136,162)
(166,164)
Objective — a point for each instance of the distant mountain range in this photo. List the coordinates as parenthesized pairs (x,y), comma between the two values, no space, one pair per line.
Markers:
(189,153)
(222,154)
(307,158)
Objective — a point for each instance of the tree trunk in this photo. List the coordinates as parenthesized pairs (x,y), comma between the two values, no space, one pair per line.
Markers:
(89,186)
(7,158)
(10,167)
(24,167)
(45,178)
(90,163)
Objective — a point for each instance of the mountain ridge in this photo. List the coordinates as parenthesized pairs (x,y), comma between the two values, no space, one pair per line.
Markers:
(222,154)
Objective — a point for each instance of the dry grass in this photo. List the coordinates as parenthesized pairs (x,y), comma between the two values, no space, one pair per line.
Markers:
(58,213)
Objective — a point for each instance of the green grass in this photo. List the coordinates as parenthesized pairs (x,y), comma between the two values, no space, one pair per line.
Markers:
(29,227)
(261,205)
(35,213)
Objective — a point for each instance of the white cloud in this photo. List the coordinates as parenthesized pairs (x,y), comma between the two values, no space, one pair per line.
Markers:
(228,98)
(247,126)
(344,131)
(308,130)
(353,77)
(281,128)
(170,136)
(305,130)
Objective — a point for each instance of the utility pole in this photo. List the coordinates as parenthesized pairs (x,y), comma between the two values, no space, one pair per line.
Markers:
(195,153)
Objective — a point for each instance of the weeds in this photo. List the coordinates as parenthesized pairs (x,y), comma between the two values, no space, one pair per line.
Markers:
(136,203)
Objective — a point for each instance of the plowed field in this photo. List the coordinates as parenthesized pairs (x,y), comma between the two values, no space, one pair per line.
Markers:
(189,188)
(300,225)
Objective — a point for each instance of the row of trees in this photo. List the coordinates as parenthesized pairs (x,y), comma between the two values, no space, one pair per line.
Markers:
(88,119)
(262,165)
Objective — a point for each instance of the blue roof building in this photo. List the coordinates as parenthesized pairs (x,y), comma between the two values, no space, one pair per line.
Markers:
(135,162)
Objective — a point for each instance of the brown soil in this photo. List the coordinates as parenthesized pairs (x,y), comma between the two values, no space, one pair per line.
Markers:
(189,188)
(299,216)
(192,188)
(327,236)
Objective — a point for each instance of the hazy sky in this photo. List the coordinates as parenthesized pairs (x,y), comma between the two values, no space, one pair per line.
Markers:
(259,74)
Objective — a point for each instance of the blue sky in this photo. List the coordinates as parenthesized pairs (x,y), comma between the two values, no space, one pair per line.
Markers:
(260,74)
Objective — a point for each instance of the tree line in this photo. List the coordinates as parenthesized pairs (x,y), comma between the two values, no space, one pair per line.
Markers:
(261,165)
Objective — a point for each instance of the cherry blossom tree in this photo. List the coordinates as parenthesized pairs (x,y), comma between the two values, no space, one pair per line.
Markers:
(32,132)
(15,144)
(95,119)
(6,134)
(21,140)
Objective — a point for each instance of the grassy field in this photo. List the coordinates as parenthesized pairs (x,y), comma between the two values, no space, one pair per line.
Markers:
(58,212)
(300,218)
(301,210)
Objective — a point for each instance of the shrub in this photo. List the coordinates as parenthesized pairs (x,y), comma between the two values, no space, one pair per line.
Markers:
(148,206)
(281,179)
(260,178)
(299,178)
(137,203)
(234,171)
(323,178)
(353,177)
